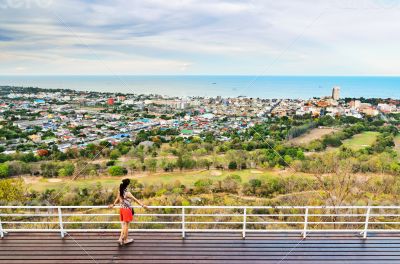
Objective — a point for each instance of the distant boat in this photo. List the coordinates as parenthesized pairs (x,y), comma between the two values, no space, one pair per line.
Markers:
(214,83)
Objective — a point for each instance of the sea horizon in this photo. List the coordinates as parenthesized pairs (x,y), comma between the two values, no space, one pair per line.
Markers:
(265,86)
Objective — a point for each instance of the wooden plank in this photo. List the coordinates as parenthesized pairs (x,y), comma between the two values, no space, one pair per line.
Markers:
(186,262)
(202,239)
(169,247)
(190,258)
(50,250)
(201,248)
(154,261)
(340,259)
(199,254)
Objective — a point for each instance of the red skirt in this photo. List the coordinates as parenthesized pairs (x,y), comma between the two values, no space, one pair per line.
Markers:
(125,214)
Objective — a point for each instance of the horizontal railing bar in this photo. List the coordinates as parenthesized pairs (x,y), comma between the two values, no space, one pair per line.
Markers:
(118,214)
(318,215)
(211,230)
(155,230)
(90,230)
(207,215)
(241,215)
(27,215)
(198,222)
(118,222)
(233,215)
(173,215)
(34,215)
(93,222)
(200,215)
(213,223)
(204,207)
(203,215)
(90,215)
(26,223)
(302,222)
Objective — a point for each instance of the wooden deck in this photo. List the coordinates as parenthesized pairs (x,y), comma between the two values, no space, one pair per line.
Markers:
(199,248)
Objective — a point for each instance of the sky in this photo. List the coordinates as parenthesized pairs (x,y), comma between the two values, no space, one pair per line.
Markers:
(185,37)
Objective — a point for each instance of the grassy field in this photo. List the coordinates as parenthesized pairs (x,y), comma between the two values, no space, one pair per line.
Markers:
(361,141)
(187,178)
(313,134)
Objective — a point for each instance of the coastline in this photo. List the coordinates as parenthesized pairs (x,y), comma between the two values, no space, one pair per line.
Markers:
(280,87)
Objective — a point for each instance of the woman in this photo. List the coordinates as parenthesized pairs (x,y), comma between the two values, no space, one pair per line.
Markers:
(125,212)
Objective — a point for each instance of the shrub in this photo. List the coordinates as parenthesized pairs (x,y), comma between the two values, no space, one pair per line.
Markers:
(232,165)
(332,140)
(12,190)
(115,154)
(110,163)
(42,152)
(50,169)
(203,185)
(117,171)
(4,170)
(66,171)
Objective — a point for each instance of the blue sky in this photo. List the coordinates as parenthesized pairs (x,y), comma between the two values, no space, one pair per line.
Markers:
(285,37)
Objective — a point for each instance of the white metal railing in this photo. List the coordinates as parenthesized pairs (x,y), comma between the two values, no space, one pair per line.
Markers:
(244,219)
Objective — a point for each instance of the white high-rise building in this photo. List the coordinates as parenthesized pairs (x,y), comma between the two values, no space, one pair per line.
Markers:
(336,93)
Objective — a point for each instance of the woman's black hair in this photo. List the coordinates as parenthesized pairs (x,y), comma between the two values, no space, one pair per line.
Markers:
(123,186)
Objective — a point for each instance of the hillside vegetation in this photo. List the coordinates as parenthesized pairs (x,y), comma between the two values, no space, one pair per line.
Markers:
(357,164)
(362,140)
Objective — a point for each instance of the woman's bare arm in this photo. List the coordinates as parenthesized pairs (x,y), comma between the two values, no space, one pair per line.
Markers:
(116,200)
(136,200)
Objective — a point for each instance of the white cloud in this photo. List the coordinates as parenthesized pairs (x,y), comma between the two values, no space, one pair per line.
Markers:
(201,37)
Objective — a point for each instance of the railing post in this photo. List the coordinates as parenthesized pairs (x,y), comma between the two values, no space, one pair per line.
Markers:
(183,222)
(305,223)
(60,221)
(244,222)
(1,230)
(365,232)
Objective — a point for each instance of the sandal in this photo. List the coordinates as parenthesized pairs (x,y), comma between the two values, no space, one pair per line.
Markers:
(120,242)
(128,241)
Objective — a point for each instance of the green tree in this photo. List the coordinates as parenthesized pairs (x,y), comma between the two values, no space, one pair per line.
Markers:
(254,184)
(133,165)
(17,167)
(231,184)
(232,165)
(4,170)
(203,186)
(115,154)
(151,164)
(117,171)
(49,169)
(29,157)
(67,170)
(12,190)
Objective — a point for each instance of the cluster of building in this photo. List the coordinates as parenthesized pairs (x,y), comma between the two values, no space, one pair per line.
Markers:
(334,106)
(68,118)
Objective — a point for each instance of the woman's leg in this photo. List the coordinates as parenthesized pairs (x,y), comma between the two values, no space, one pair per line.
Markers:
(126,230)
(121,237)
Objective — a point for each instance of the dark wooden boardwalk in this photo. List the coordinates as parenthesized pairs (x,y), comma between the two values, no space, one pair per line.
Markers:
(199,248)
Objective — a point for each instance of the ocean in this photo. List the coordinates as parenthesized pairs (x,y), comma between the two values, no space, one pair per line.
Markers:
(226,86)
